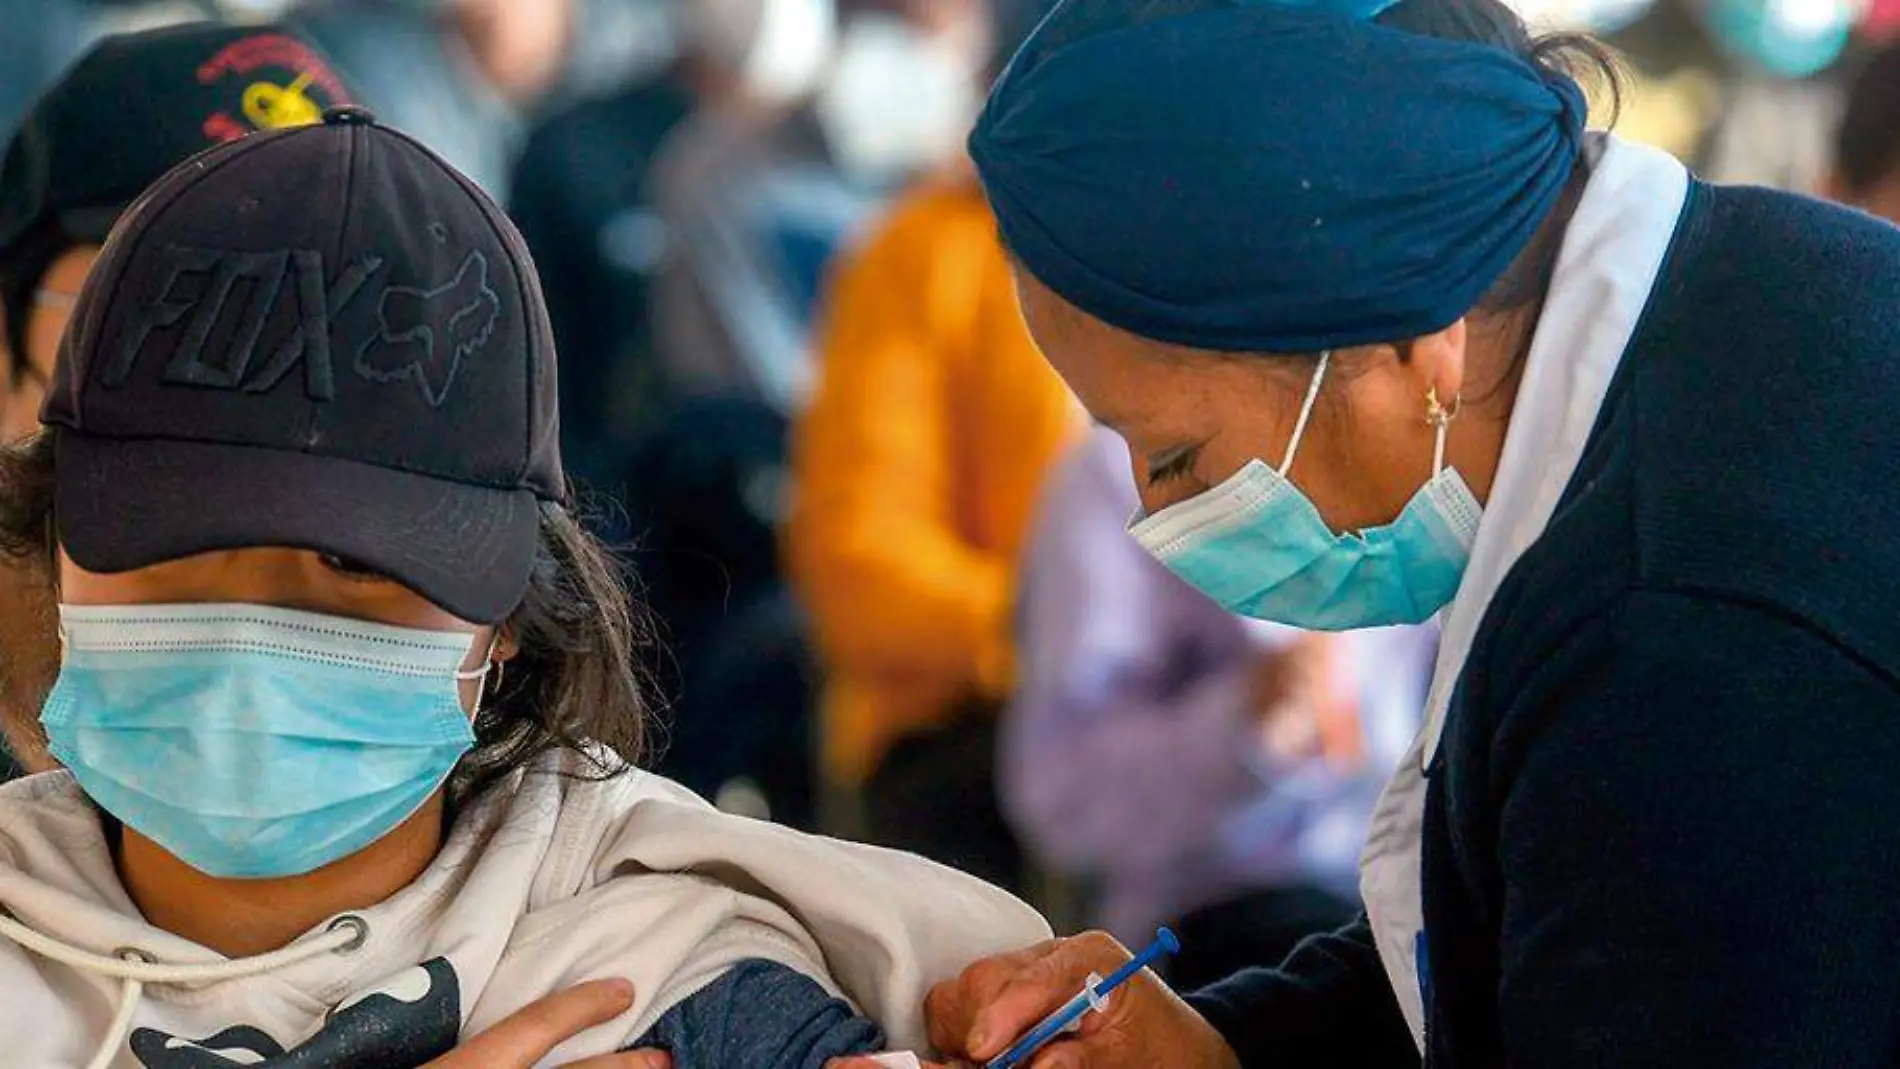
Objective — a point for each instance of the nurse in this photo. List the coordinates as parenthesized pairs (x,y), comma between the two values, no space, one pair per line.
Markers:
(1391,335)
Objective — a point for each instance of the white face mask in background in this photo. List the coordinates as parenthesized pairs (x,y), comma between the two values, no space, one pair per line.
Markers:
(898,99)
(777,49)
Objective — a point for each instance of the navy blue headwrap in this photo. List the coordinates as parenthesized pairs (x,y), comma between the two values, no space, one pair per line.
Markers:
(1247,175)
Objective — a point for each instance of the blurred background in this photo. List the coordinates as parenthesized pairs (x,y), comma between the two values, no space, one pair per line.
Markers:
(883,546)
(1744,83)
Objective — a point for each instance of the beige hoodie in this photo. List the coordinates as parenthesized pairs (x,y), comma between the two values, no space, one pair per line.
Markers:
(546,882)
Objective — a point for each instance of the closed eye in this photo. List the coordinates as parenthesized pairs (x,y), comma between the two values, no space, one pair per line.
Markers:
(1174,467)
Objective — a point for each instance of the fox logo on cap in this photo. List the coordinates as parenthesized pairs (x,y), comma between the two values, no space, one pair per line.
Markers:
(427,333)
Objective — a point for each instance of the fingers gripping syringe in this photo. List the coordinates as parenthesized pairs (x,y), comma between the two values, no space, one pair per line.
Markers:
(1093,996)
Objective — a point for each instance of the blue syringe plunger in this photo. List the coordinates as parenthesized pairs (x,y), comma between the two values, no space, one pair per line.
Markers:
(1166,940)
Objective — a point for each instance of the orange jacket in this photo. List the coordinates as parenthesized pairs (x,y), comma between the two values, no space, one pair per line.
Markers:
(916,470)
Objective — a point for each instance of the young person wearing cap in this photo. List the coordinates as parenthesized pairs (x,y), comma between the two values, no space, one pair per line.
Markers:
(128,111)
(346,701)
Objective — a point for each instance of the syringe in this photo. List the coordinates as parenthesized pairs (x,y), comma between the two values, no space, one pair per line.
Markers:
(1093,996)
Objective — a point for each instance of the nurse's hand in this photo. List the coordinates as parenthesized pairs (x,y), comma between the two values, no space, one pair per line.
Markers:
(978,1015)
(525,1038)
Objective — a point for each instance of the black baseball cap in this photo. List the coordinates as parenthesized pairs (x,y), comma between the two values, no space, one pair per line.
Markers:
(133,107)
(322,337)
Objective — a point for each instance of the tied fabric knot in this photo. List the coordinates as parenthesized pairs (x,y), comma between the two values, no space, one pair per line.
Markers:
(1252,176)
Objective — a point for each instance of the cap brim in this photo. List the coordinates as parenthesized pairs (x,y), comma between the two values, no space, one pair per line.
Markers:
(128,504)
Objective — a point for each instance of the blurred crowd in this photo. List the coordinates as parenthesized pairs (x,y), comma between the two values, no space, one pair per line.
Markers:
(886,552)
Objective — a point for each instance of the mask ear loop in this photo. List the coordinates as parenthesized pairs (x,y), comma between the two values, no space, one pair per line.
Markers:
(1439,416)
(489,664)
(1306,412)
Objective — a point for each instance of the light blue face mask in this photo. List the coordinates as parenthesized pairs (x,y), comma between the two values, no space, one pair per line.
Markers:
(255,742)
(1256,545)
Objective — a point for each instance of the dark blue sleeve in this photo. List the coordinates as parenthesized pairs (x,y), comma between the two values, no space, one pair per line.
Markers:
(761,1015)
(1329,1006)
(1698,843)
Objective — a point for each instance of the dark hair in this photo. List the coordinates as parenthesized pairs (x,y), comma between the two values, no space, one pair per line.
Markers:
(1867,142)
(1526,282)
(573,684)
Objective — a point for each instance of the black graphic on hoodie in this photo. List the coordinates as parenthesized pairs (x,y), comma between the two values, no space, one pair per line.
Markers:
(403,1024)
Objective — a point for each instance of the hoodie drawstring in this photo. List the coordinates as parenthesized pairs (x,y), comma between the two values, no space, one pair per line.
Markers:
(135,968)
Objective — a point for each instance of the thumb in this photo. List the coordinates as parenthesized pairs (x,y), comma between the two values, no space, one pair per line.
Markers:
(1026,1000)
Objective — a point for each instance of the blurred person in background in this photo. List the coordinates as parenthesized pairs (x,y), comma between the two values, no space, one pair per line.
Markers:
(470,77)
(600,215)
(683,227)
(1197,768)
(808,117)
(697,460)
(916,471)
(580,194)
(127,112)
(1865,170)
(464,74)
(753,201)
(684,223)
(459,73)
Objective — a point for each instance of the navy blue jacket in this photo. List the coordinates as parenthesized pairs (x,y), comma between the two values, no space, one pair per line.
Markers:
(1663,826)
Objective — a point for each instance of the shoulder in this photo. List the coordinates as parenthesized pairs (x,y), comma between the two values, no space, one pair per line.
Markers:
(594,809)
(1793,237)
(46,820)
(1657,686)
(1749,450)
(930,220)
(1751,269)
(1754,269)
(936,247)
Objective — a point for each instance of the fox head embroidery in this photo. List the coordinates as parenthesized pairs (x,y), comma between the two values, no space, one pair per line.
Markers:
(425,334)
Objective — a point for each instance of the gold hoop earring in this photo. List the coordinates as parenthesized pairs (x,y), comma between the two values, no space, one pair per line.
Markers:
(1436,413)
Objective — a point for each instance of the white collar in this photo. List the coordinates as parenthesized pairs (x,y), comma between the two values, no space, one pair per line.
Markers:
(1613,251)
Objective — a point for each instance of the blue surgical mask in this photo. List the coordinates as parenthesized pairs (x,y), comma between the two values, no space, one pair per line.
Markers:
(1256,545)
(256,742)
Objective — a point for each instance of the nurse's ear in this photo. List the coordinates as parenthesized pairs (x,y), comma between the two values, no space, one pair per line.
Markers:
(1437,363)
